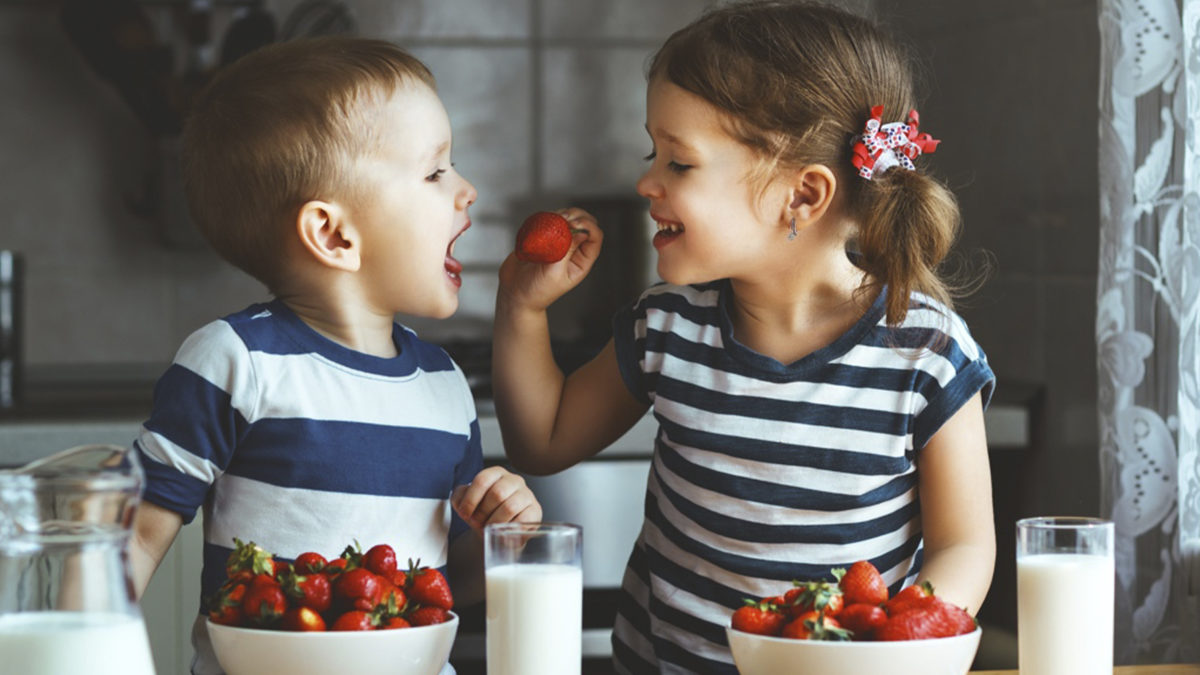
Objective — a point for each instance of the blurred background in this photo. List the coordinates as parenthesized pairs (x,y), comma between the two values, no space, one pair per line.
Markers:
(546,101)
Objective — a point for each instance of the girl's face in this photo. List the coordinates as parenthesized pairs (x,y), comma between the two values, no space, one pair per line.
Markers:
(415,210)
(712,222)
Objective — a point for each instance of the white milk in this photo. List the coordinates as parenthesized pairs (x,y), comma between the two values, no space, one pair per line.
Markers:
(59,643)
(534,619)
(1065,614)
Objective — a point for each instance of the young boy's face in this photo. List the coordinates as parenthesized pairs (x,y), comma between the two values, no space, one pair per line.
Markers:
(415,210)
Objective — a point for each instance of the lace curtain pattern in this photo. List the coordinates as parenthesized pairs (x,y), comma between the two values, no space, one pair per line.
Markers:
(1148,321)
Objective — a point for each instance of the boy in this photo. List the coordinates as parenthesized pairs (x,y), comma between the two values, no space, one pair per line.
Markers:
(322,168)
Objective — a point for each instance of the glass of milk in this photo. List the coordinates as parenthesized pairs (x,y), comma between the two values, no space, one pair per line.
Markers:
(1065,582)
(534,578)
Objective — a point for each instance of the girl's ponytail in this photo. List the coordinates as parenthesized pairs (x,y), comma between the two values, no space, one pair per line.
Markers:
(908,222)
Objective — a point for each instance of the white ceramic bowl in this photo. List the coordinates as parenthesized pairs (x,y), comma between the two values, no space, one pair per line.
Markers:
(761,655)
(420,650)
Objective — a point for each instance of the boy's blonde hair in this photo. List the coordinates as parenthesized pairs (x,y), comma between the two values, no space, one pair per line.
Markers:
(797,81)
(278,128)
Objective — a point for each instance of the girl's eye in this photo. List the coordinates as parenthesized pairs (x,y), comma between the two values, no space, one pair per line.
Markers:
(435,176)
(674,167)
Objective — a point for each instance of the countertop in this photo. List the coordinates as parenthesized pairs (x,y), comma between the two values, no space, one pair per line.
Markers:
(1120,670)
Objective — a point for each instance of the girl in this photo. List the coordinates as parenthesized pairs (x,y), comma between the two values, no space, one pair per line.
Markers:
(815,407)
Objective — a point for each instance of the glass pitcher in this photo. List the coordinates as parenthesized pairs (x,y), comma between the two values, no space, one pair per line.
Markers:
(67,601)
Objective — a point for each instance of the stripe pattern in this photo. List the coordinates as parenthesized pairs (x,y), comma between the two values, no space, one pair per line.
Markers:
(292,441)
(765,472)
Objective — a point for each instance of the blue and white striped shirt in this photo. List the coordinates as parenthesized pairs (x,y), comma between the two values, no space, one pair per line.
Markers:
(292,441)
(764,472)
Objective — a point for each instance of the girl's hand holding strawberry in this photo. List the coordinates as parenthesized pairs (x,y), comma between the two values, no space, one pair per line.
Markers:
(535,285)
(496,496)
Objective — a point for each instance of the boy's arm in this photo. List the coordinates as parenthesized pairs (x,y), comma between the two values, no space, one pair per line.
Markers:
(956,509)
(154,529)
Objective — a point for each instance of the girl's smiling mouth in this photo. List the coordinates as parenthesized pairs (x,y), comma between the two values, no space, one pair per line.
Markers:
(668,231)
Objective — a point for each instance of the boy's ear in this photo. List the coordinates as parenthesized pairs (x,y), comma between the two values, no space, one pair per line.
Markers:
(813,188)
(325,234)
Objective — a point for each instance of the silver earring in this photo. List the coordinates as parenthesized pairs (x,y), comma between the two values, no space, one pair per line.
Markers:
(792,234)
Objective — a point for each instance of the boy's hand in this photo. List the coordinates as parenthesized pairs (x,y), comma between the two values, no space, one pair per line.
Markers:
(537,285)
(495,496)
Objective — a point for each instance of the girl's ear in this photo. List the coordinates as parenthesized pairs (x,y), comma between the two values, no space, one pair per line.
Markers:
(325,234)
(813,188)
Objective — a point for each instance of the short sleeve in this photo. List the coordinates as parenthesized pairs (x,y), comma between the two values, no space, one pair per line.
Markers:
(629,343)
(959,369)
(199,415)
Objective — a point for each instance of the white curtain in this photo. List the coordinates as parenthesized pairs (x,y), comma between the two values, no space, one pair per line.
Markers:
(1148,321)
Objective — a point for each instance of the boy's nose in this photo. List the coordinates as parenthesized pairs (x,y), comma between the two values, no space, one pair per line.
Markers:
(467,195)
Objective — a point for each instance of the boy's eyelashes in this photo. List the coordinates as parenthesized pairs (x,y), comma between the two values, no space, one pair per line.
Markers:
(672,165)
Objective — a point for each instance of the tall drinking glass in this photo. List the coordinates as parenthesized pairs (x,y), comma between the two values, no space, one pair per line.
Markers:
(1065,582)
(534,579)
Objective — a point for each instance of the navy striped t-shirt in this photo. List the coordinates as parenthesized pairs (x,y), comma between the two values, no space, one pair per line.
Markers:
(294,442)
(765,472)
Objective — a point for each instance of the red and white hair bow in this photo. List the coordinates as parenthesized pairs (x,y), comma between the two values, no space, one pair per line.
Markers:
(883,146)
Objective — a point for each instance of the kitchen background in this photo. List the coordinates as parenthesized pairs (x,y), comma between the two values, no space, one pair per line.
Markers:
(546,100)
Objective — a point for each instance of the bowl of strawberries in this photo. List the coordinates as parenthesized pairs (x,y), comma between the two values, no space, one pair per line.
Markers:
(851,626)
(357,612)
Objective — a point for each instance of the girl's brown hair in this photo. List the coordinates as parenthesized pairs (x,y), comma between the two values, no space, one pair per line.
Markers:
(280,127)
(798,81)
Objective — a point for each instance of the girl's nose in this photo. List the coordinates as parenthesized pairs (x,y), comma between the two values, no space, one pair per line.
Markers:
(648,187)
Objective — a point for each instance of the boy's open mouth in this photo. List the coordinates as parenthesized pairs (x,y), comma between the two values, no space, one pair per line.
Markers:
(453,267)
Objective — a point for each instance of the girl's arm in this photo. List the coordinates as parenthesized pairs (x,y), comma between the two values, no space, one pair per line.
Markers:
(956,509)
(550,422)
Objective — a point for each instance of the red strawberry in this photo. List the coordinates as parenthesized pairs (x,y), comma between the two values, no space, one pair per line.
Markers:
(862,583)
(311,590)
(862,619)
(425,616)
(309,563)
(935,619)
(544,237)
(909,597)
(396,622)
(381,559)
(760,618)
(814,625)
(335,567)
(354,620)
(303,619)
(428,587)
(264,602)
(226,607)
(360,588)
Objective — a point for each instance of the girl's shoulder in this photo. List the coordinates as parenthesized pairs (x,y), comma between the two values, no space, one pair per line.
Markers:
(932,324)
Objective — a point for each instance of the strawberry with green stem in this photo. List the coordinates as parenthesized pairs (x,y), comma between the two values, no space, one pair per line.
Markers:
(427,586)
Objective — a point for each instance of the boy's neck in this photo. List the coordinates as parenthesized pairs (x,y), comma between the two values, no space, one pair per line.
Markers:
(348,324)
